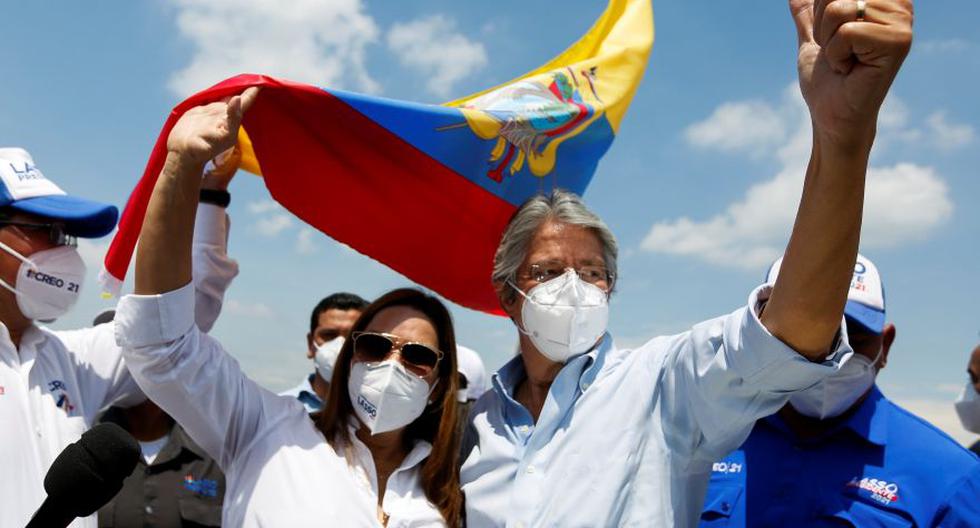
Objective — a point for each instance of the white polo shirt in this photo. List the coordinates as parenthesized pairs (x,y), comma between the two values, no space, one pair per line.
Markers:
(279,469)
(54,387)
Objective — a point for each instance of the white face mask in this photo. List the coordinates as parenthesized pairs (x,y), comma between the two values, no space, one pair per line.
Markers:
(48,283)
(837,393)
(968,408)
(326,357)
(565,316)
(385,395)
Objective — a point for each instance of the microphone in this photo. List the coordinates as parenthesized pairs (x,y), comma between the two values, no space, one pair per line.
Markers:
(86,475)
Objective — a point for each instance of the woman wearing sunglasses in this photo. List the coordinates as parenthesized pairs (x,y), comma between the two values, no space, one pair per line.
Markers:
(384,451)
(392,404)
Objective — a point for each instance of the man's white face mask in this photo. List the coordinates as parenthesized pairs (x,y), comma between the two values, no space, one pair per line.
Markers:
(968,408)
(565,316)
(385,395)
(326,357)
(835,394)
(48,283)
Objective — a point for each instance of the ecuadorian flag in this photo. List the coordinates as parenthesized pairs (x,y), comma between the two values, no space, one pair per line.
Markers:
(428,189)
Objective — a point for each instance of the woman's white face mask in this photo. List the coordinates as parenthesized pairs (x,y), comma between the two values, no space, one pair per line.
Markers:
(565,316)
(385,395)
(48,283)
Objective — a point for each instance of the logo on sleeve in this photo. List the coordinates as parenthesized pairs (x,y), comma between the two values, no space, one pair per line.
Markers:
(880,490)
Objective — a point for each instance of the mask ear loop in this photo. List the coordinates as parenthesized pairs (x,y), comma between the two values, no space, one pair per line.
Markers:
(874,362)
(526,298)
(14,253)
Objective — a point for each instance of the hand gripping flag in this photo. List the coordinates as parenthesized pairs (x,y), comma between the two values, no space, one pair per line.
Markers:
(427,189)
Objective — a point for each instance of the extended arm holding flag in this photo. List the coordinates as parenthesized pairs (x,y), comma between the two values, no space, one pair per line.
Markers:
(200,135)
(849,54)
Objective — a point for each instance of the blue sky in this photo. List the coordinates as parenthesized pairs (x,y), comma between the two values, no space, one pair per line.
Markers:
(700,185)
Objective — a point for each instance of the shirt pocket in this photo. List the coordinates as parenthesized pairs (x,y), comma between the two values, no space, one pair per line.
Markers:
(195,512)
(720,504)
(864,515)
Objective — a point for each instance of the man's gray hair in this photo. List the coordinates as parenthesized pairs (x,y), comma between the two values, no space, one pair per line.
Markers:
(560,206)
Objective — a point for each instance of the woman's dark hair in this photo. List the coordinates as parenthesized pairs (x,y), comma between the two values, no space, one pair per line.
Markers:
(437,423)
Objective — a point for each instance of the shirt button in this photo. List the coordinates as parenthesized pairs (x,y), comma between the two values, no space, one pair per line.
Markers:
(37,431)
(148,510)
(524,429)
(530,470)
(725,506)
(519,525)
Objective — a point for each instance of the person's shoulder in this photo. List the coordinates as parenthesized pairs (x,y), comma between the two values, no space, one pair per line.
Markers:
(916,433)
(80,340)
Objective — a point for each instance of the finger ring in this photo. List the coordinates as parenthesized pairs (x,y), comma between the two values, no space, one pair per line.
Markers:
(862,7)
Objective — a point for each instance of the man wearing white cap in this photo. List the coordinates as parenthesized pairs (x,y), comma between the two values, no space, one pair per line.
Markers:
(53,384)
(841,453)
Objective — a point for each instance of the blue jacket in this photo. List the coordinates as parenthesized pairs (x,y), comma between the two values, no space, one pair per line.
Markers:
(882,466)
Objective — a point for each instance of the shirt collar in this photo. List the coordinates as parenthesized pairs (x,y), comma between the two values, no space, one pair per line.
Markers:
(179,437)
(588,365)
(29,341)
(307,395)
(419,451)
(869,421)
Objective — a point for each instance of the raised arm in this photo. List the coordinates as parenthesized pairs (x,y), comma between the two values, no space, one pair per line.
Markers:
(849,54)
(163,258)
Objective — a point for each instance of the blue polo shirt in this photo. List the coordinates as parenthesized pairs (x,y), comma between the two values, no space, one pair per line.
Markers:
(883,466)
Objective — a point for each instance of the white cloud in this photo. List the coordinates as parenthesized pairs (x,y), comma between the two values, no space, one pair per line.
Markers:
(263,206)
(255,310)
(316,41)
(952,45)
(432,46)
(272,225)
(742,126)
(946,135)
(904,202)
(272,218)
(940,413)
(305,241)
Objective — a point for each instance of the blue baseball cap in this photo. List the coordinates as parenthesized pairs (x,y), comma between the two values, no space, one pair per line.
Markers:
(865,297)
(24,188)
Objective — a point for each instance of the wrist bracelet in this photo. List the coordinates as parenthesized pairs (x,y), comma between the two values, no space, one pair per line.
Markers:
(215,197)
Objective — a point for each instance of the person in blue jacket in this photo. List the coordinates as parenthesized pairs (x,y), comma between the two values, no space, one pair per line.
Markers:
(841,453)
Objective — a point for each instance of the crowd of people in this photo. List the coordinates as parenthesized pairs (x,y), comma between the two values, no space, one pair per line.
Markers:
(766,416)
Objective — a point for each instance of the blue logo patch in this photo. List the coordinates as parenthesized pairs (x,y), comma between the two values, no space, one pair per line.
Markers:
(205,487)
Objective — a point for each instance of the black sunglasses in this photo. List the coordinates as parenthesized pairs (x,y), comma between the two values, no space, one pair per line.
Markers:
(56,231)
(374,346)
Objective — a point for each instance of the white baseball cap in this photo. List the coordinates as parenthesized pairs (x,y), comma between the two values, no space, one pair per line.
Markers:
(24,188)
(469,364)
(865,298)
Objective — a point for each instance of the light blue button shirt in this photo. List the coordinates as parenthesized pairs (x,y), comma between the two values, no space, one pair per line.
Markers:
(628,437)
(306,395)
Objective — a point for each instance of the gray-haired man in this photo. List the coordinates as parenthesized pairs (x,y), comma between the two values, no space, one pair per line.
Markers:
(578,432)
